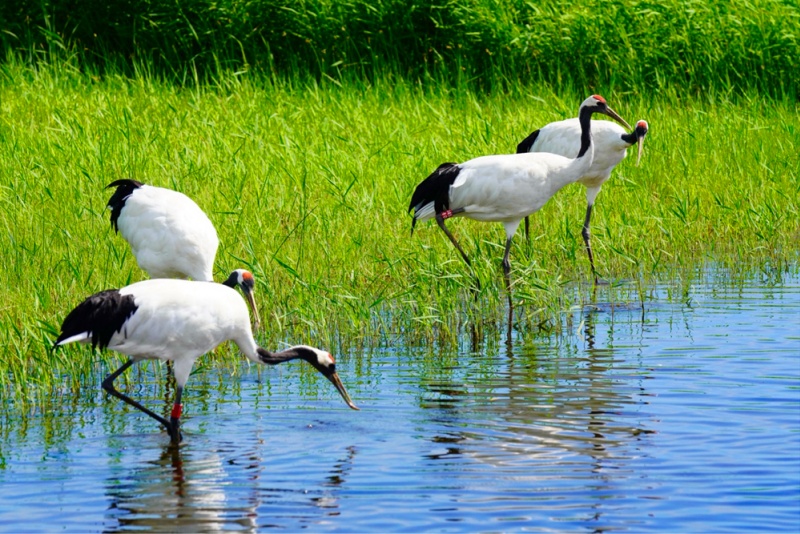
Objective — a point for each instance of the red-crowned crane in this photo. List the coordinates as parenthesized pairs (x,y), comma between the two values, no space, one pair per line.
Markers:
(177,321)
(170,236)
(611,144)
(504,188)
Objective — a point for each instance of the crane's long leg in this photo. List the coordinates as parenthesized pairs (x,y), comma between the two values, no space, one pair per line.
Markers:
(586,239)
(440,221)
(440,217)
(175,417)
(108,385)
(507,266)
(507,276)
(527,231)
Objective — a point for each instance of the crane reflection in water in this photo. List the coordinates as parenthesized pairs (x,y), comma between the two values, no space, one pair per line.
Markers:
(228,487)
(575,412)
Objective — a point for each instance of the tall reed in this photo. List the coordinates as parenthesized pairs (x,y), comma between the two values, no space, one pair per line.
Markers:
(630,45)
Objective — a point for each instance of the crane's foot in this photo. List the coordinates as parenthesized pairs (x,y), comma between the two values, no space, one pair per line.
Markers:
(174,430)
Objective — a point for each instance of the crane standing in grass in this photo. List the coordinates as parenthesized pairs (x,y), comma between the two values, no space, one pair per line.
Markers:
(504,188)
(170,236)
(611,143)
(177,321)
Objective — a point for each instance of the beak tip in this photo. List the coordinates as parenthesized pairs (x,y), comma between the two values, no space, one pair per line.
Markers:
(342,391)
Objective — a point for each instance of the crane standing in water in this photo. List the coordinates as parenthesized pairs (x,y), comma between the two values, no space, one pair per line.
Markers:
(177,321)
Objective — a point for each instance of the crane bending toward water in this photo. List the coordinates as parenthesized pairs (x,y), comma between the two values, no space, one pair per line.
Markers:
(177,321)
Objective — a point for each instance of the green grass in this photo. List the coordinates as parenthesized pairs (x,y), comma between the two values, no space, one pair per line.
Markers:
(308,186)
(631,45)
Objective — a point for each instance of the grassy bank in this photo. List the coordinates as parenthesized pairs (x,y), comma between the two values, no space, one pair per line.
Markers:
(308,187)
(632,45)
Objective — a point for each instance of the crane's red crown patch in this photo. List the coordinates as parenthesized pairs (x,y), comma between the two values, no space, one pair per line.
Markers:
(599,98)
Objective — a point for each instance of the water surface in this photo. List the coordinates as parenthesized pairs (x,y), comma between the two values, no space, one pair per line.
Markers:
(682,416)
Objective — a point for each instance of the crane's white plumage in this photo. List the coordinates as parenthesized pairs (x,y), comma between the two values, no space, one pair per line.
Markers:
(611,144)
(177,321)
(170,236)
(504,188)
(180,321)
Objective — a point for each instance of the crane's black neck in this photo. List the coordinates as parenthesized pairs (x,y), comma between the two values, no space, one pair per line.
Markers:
(232,281)
(629,138)
(274,358)
(633,137)
(300,352)
(125,188)
(585,120)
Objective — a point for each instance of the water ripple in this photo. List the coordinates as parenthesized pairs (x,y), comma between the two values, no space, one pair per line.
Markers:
(683,418)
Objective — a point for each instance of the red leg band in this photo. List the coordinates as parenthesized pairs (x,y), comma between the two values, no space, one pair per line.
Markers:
(446,214)
(177,410)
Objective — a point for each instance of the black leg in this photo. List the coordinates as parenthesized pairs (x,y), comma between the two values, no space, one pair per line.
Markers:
(586,239)
(507,277)
(108,385)
(175,418)
(440,222)
(507,263)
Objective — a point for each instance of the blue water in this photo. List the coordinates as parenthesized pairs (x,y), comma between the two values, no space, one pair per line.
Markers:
(682,416)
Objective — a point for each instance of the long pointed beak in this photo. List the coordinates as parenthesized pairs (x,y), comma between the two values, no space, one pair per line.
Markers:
(614,115)
(251,301)
(343,392)
(639,142)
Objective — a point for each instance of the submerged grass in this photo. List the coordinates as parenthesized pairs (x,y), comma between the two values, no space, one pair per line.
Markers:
(308,186)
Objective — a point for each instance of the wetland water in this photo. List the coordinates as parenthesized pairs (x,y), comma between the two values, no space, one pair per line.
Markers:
(684,417)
